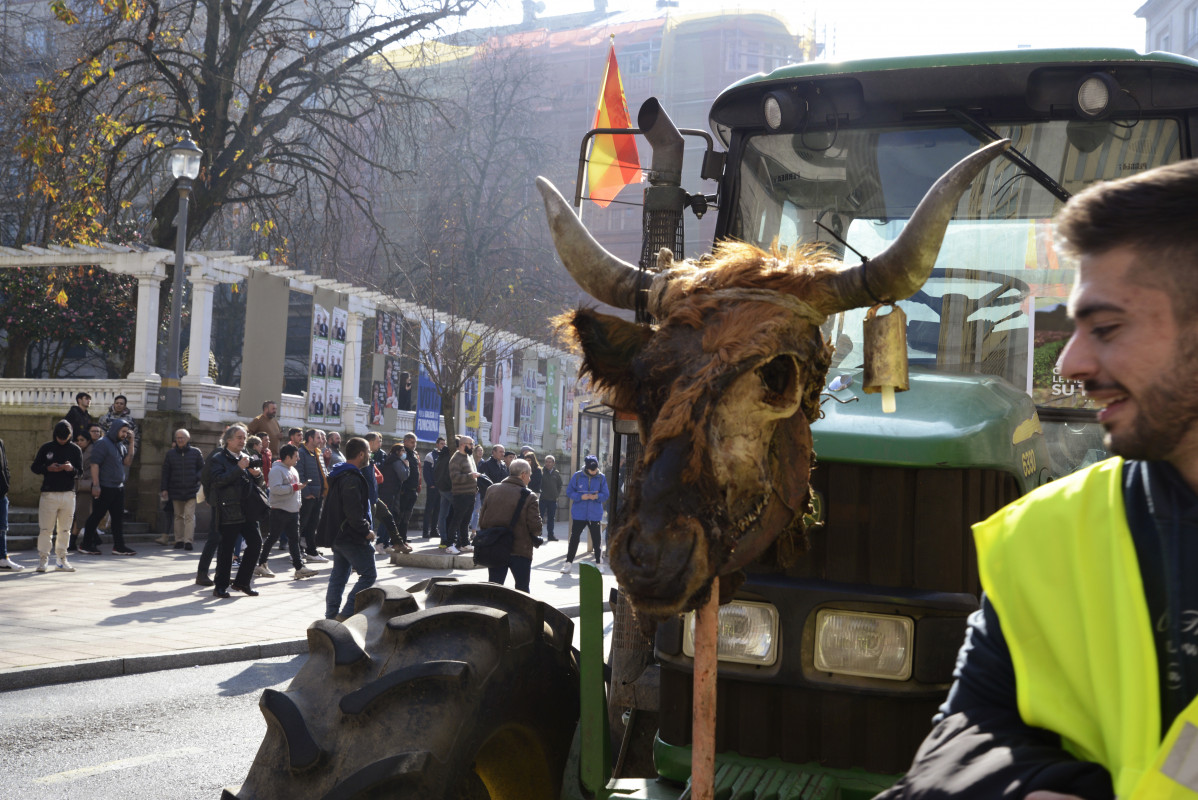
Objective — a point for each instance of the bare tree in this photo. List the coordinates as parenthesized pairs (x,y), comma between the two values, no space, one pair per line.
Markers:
(271,90)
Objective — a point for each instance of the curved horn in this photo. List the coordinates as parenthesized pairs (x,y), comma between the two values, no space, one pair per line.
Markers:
(603,276)
(898,271)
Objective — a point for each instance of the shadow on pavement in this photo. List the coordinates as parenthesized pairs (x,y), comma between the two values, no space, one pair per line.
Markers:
(260,675)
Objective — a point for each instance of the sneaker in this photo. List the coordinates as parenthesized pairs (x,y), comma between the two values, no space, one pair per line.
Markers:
(124,551)
(163,540)
(237,561)
(442,546)
(263,571)
(566,568)
(10,565)
(381,549)
(73,549)
(303,572)
(452,550)
(316,558)
(187,546)
(42,562)
(467,549)
(178,545)
(89,552)
(64,566)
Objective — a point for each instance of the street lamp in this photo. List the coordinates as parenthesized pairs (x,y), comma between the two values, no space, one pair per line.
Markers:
(184,164)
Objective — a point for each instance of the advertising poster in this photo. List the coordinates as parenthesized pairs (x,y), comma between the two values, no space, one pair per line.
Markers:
(503,377)
(568,419)
(526,416)
(316,400)
(340,321)
(428,399)
(472,391)
(336,367)
(1049,331)
(394,334)
(378,401)
(381,333)
(552,394)
(319,368)
(391,379)
(320,321)
(332,408)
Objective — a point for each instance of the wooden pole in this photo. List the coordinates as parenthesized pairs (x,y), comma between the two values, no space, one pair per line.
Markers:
(703,721)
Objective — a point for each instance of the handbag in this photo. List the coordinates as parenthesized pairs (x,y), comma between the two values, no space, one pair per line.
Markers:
(493,546)
(257,506)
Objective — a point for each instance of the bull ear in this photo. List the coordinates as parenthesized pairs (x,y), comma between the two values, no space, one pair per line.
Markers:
(609,345)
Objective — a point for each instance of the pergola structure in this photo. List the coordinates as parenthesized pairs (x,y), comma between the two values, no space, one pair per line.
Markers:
(202,397)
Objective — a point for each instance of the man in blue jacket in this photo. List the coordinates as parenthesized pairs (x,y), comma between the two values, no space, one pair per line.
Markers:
(588,491)
(111,456)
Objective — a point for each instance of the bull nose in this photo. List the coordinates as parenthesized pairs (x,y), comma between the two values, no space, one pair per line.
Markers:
(658,562)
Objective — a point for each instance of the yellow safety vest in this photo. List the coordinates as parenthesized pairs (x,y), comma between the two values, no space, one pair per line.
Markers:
(1060,568)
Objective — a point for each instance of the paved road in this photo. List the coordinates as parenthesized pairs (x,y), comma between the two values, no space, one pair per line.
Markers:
(117,615)
(177,734)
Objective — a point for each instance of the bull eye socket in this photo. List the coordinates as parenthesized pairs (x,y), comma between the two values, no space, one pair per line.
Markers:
(780,379)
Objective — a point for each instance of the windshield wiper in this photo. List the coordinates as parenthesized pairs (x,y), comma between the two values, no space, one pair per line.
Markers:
(988,135)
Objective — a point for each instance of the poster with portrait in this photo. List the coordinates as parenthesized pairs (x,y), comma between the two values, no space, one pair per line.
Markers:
(472,388)
(394,335)
(391,380)
(317,397)
(378,402)
(382,333)
(526,418)
(320,321)
(553,394)
(332,406)
(335,370)
(340,323)
(319,366)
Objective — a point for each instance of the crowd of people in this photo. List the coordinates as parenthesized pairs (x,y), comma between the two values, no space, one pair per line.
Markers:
(299,490)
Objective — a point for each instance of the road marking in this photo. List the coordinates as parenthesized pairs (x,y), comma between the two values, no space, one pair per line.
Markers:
(113,766)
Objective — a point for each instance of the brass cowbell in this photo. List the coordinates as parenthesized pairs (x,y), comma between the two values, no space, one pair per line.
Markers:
(886,354)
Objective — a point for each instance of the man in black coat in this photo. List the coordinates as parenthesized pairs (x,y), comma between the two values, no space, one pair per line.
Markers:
(432,497)
(78,415)
(345,526)
(180,484)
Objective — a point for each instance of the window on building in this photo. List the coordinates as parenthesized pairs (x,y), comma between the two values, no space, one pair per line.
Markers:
(640,58)
(743,55)
(1163,40)
(1192,26)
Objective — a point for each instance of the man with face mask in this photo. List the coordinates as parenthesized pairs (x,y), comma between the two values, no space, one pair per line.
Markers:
(588,491)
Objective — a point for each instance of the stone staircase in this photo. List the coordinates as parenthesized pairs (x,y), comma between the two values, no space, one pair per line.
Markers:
(23,529)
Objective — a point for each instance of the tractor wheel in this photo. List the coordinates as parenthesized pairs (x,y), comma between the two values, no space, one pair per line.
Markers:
(473,697)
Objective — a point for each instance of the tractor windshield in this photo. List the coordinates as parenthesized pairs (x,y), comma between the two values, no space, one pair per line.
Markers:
(995,302)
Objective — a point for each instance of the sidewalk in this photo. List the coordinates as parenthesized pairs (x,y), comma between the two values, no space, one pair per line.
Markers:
(120,615)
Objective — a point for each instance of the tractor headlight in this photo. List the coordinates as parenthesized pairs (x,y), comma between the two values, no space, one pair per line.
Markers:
(871,645)
(748,633)
(1094,95)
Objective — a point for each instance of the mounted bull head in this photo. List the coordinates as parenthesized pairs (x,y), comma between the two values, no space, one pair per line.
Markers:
(719,382)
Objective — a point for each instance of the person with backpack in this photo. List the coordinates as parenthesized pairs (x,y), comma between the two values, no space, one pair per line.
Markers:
(501,505)
(344,526)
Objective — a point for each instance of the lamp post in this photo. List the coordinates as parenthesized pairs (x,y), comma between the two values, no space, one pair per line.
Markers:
(184,164)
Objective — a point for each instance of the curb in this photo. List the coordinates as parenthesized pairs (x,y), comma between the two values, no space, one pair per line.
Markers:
(95,668)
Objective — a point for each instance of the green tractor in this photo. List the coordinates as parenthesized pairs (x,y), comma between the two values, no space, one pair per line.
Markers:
(834,654)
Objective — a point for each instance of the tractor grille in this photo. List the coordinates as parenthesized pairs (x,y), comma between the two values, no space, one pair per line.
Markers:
(886,528)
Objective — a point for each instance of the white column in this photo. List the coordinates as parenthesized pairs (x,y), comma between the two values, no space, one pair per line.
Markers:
(353,360)
(199,344)
(145,343)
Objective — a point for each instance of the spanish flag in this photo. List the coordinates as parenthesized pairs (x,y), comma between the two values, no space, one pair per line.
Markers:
(614,162)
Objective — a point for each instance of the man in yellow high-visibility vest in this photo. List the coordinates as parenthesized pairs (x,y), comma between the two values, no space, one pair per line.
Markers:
(1079,673)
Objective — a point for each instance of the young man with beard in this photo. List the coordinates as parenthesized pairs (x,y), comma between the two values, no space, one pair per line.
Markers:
(78,415)
(111,456)
(1079,673)
(266,427)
